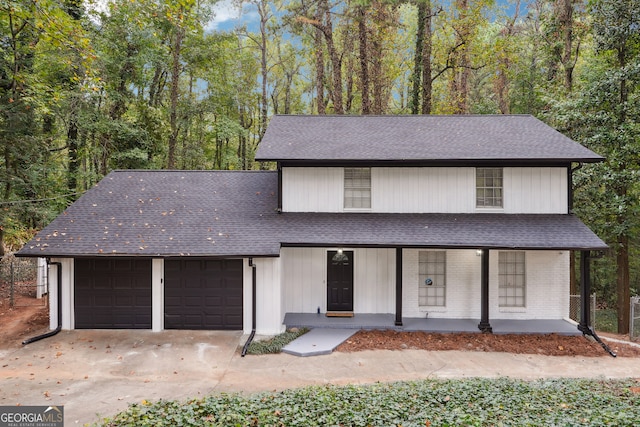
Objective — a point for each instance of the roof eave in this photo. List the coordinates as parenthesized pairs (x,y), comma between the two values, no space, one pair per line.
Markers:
(146,255)
(444,246)
(434,162)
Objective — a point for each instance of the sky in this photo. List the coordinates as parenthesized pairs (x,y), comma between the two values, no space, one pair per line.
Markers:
(228,16)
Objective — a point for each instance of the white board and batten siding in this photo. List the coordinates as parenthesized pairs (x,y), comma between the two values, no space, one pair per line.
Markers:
(304,280)
(304,284)
(312,189)
(269,297)
(426,190)
(536,190)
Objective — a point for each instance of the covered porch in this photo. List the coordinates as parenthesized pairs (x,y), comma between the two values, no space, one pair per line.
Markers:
(386,274)
(435,325)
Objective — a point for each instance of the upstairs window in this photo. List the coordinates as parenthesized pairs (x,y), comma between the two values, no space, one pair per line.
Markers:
(489,187)
(511,276)
(357,188)
(432,266)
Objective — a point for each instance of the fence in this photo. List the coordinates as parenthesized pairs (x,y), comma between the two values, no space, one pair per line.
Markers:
(23,282)
(634,327)
(574,308)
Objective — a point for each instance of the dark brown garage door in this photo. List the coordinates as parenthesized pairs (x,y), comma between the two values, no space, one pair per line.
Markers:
(112,293)
(203,294)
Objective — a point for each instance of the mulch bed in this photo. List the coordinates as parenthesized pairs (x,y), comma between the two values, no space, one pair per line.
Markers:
(548,345)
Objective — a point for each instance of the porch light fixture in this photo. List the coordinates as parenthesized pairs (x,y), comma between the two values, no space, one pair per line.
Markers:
(340,257)
(479,252)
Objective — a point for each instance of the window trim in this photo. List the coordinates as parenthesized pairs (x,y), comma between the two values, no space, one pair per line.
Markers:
(356,188)
(485,198)
(502,276)
(421,280)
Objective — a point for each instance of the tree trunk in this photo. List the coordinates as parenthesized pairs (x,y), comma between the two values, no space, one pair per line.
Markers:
(622,283)
(502,82)
(154,87)
(418,59)
(317,41)
(336,63)
(324,23)
(175,87)
(287,93)
(622,252)
(376,77)
(427,43)
(72,143)
(460,80)
(564,10)
(350,73)
(264,17)
(364,59)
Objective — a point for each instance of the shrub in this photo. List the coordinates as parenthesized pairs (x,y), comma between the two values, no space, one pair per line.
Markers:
(275,344)
(470,402)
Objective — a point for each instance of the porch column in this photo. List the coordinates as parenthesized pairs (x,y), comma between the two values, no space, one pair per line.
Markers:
(398,287)
(585,291)
(484,324)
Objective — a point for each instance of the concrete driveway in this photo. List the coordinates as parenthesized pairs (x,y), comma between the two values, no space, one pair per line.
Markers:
(97,373)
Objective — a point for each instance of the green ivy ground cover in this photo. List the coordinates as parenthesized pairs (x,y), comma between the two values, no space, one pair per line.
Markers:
(430,403)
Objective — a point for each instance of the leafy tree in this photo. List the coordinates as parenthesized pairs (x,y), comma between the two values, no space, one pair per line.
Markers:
(36,37)
(605,117)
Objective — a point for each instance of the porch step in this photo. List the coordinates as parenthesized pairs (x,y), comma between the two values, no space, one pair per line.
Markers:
(339,313)
(318,341)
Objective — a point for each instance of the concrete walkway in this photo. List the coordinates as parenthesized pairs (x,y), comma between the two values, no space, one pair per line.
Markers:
(98,373)
(318,341)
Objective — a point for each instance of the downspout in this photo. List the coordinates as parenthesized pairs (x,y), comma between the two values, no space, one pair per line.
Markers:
(585,313)
(59,328)
(253,308)
(570,185)
(279,209)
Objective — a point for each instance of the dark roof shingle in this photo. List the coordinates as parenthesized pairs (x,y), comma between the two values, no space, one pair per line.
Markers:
(166,213)
(470,231)
(454,138)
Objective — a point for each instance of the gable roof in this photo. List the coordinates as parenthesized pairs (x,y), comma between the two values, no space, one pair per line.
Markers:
(419,138)
(233,214)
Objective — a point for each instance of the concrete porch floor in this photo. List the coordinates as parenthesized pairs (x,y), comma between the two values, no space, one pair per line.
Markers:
(387,321)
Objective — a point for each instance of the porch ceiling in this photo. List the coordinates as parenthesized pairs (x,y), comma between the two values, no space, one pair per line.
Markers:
(483,231)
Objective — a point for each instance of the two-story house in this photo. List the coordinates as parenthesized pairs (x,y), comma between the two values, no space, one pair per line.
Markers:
(411,218)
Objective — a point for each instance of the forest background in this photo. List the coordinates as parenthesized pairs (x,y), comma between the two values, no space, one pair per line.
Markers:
(88,87)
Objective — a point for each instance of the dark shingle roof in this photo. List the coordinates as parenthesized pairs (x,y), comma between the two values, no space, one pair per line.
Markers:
(418,138)
(497,231)
(165,213)
(199,213)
